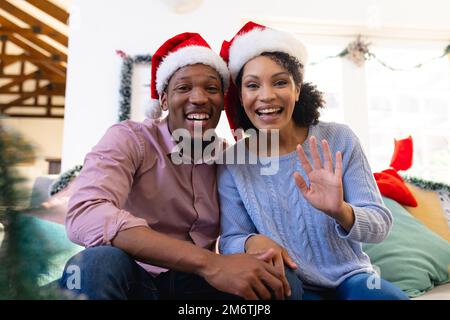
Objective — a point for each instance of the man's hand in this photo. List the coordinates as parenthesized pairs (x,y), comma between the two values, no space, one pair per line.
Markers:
(245,275)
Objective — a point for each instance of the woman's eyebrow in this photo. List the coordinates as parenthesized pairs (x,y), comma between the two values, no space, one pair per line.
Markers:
(273,76)
(282,73)
(251,76)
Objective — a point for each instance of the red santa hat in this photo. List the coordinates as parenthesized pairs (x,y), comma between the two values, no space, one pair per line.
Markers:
(180,51)
(252,40)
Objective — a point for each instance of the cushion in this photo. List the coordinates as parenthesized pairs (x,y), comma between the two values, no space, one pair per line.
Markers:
(56,207)
(412,256)
(391,185)
(403,154)
(439,293)
(40,191)
(429,211)
(43,247)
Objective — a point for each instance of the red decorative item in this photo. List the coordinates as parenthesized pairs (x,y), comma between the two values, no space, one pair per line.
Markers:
(403,154)
(390,183)
(121,54)
(392,186)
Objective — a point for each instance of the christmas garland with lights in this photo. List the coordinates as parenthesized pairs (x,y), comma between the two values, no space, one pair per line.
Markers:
(64,179)
(358,51)
(427,185)
(125,82)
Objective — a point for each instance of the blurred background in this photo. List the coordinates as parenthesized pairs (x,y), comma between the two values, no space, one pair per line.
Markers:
(69,69)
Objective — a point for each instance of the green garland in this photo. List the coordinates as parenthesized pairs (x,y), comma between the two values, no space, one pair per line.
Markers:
(358,51)
(125,82)
(427,185)
(64,179)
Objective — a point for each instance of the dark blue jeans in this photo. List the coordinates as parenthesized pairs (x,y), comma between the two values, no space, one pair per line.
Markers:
(361,286)
(109,273)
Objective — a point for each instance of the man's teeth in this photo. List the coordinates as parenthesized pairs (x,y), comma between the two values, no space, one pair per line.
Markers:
(198,116)
(268,110)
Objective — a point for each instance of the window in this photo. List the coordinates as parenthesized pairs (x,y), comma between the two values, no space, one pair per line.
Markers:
(414,102)
(327,76)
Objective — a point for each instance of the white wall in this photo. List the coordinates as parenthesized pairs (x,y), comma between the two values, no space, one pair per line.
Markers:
(44,134)
(100,27)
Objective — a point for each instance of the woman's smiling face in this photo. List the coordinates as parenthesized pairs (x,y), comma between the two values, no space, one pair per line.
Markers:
(268,94)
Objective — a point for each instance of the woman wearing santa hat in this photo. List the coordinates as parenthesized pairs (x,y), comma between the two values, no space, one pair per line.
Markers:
(150,225)
(315,214)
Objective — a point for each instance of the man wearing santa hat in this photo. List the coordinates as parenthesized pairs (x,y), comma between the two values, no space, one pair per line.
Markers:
(150,226)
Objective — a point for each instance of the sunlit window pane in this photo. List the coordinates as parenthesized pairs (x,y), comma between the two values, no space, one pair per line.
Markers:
(327,75)
(414,102)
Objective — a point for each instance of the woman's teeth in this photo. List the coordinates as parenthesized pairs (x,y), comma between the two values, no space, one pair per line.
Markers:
(268,111)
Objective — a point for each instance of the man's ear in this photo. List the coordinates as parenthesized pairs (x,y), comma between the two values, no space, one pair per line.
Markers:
(164,103)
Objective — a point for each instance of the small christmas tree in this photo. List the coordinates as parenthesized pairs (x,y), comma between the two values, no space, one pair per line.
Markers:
(16,280)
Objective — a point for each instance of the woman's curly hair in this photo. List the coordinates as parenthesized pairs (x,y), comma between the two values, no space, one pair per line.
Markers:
(306,111)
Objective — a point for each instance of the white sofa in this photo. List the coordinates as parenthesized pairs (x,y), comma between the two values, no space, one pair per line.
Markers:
(437,293)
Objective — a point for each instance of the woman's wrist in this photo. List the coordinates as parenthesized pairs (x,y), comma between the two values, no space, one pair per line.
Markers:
(248,242)
(346,217)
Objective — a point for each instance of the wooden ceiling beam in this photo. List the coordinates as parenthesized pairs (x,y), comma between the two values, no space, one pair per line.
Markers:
(23,97)
(58,91)
(20,105)
(40,52)
(51,9)
(8,28)
(58,70)
(16,82)
(34,23)
(34,75)
(32,94)
(29,59)
(2,51)
(20,115)
(11,58)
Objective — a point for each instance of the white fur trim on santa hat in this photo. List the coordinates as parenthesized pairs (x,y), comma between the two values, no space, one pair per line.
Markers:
(153,110)
(251,44)
(187,56)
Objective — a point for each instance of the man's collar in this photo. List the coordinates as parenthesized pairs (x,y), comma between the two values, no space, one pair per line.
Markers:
(165,137)
(172,148)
